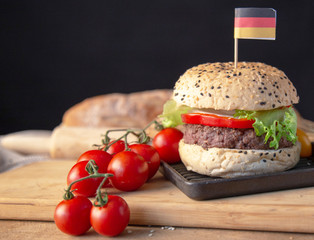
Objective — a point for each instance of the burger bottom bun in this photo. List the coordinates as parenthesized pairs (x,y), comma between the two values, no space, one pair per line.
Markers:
(230,163)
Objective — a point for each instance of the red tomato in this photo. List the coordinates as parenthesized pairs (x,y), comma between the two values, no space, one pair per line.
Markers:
(101,159)
(216,121)
(166,142)
(130,171)
(117,147)
(73,216)
(87,187)
(150,155)
(111,219)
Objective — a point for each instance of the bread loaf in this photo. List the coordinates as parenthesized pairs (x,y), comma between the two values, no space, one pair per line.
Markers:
(117,109)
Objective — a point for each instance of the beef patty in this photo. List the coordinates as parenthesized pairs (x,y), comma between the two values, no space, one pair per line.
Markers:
(221,137)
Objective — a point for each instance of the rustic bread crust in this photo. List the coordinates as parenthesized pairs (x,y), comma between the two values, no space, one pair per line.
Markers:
(230,163)
(251,86)
(117,109)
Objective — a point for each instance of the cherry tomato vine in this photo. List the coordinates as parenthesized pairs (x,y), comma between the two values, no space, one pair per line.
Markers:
(127,166)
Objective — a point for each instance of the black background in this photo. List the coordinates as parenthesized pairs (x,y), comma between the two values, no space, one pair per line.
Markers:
(54,54)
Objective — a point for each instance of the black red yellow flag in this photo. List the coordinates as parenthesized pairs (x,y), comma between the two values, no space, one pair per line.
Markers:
(255,23)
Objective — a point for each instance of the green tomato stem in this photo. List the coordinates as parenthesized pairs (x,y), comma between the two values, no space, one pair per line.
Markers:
(141,136)
(95,174)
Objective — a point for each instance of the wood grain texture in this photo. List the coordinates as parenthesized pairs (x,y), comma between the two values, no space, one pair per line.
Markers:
(33,191)
(48,230)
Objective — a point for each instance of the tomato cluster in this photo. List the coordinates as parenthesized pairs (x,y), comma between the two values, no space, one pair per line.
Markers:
(77,215)
(127,168)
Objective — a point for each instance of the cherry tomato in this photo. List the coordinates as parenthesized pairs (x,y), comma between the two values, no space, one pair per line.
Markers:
(150,155)
(86,188)
(216,121)
(130,171)
(306,145)
(166,142)
(101,159)
(111,219)
(73,216)
(117,147)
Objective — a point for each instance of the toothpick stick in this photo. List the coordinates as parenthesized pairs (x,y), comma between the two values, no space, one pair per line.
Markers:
(235,53)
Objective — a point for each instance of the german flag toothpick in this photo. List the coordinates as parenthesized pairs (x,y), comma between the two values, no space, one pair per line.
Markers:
(253,23)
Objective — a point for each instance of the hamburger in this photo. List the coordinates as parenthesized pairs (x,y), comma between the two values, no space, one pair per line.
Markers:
(236,121)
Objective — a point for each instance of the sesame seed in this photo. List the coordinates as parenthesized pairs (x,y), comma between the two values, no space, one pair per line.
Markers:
(262,103)
(245,152)
(274,154)
(264,160)
(202,94)
(227,96)
(273,105)
(261,154)
(269,94)
(176,94)
(280,151)
(266,153)
(240,151)
(209,95)
(212,87)
(219,87)
(288,155)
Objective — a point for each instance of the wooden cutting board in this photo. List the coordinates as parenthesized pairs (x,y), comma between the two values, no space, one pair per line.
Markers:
(32,192)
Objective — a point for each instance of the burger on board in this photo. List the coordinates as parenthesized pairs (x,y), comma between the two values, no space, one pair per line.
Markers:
(236,121)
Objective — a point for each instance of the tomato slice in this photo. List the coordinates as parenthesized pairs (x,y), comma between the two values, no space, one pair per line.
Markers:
(216,121)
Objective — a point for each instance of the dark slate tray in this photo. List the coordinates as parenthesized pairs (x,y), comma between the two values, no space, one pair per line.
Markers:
(201,187)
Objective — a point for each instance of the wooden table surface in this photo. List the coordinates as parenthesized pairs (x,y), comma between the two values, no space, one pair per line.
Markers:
(29,215)
(37,230)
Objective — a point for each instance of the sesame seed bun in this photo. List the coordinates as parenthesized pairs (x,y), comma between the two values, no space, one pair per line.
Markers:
(230,163)
(219,86)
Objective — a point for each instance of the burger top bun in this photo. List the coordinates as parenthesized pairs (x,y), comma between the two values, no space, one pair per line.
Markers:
(219,86)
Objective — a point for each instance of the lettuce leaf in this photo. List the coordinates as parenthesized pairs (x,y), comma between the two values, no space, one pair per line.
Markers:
(171,115)
(275,124)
